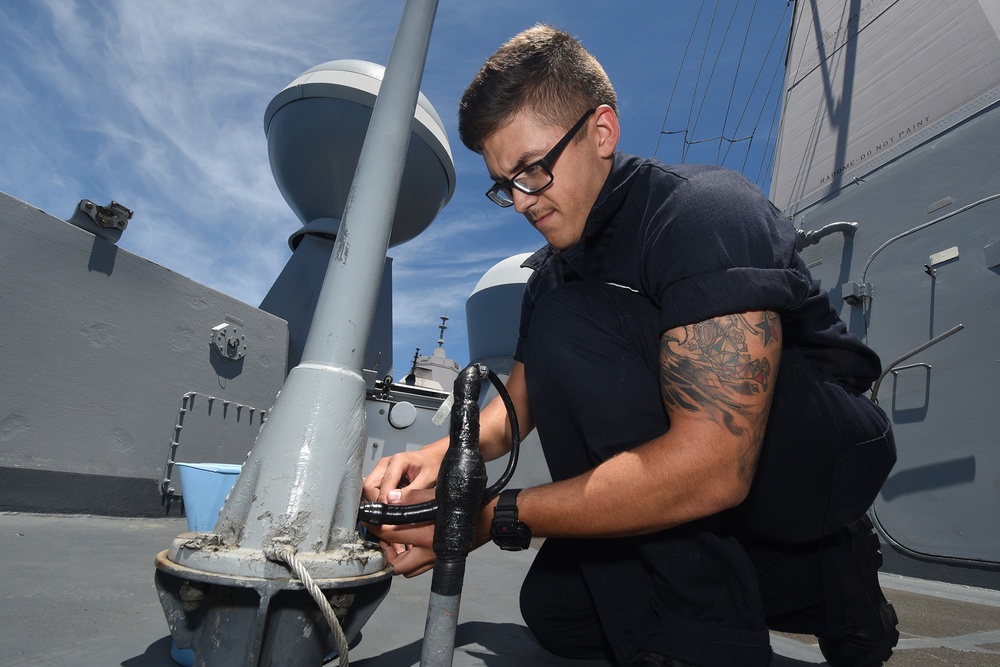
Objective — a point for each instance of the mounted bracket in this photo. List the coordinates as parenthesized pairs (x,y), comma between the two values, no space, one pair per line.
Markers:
(857,293)
(804,239)
(112,216)
(107,222)
(228,341)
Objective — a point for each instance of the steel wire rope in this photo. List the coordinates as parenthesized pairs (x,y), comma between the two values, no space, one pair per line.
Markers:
(711,78)
(753,88)
(730,140)
(760,115)
(697,83)
(772,151)
(760,71)
(680,68)
(286,555)
(778,116)
(732,89)
(775,125)
(768,155)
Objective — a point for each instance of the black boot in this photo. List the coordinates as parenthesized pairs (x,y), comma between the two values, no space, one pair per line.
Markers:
(868,635)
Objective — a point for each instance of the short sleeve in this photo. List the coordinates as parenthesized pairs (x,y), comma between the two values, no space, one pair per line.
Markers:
(722,248)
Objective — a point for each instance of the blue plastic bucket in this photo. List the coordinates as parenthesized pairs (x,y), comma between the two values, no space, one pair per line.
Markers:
(204,487)
(182,656)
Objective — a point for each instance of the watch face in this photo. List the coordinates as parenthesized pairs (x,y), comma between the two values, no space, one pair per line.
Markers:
(507,532)
(511,535)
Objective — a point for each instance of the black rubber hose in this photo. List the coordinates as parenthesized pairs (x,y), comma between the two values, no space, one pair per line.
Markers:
(461,482)
(515,438)
(379,514)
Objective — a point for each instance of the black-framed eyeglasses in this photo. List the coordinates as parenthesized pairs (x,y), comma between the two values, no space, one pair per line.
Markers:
(536,176)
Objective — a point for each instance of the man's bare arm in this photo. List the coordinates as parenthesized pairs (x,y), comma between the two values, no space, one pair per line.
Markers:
(722,370)
(717,379)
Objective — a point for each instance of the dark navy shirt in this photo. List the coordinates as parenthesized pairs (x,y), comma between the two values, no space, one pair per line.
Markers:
(700,242)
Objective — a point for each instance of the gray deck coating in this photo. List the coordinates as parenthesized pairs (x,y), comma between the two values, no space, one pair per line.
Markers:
(78,591)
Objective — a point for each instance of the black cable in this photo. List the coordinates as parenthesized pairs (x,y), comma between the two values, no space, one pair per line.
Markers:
(515,438)
(378,514)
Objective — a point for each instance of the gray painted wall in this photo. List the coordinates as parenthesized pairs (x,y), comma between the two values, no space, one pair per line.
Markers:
(943,496)
(98,348)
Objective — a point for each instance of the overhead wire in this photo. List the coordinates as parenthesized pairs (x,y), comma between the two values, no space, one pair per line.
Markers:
(736,77)
(697,81)
(763,65)
(769,156)
(775,82)
(673,91)
(771,152)
(700,96)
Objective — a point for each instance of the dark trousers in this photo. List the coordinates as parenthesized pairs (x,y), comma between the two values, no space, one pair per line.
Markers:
(705,592)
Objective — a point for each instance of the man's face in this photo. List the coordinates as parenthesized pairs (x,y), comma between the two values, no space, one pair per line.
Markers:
(559,211)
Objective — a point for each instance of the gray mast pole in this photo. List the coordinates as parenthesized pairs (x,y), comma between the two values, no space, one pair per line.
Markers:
(313,440)
(343,317)
(301,485)
(299,490)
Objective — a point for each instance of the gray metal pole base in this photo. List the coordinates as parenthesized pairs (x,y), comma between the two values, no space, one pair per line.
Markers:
(258,622)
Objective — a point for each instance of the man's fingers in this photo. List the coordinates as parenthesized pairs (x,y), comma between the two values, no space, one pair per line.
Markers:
(391,477)
(421,534)
(409,495)
(412,561)
(384,477)
(371,484)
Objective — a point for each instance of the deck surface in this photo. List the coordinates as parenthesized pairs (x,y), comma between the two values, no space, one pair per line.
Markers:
(78,591)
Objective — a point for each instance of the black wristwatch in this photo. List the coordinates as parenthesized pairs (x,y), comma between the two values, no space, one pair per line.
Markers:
(509,533)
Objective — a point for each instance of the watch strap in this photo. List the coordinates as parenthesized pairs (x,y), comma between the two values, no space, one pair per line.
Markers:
(507,531)
(507,504)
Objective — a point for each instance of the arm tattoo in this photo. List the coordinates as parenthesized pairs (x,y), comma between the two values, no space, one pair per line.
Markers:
(709,368)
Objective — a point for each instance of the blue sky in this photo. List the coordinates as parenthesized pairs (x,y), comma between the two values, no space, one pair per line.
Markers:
(159,105)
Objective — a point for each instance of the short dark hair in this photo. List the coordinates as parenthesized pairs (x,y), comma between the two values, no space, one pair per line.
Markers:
(543,70)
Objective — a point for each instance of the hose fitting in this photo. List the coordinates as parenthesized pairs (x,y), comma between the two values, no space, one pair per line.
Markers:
(463,423)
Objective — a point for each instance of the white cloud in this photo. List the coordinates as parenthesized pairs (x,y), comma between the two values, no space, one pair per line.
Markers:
(159,105)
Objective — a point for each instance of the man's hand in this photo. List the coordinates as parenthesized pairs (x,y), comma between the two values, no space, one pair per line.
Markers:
(409,548)
(408,560)
(417,470)
(409,477)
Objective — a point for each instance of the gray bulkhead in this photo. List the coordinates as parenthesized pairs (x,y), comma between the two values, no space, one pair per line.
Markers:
(892,121)
(112,366)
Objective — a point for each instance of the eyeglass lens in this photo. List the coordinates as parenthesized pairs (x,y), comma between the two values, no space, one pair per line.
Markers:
(536,176)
